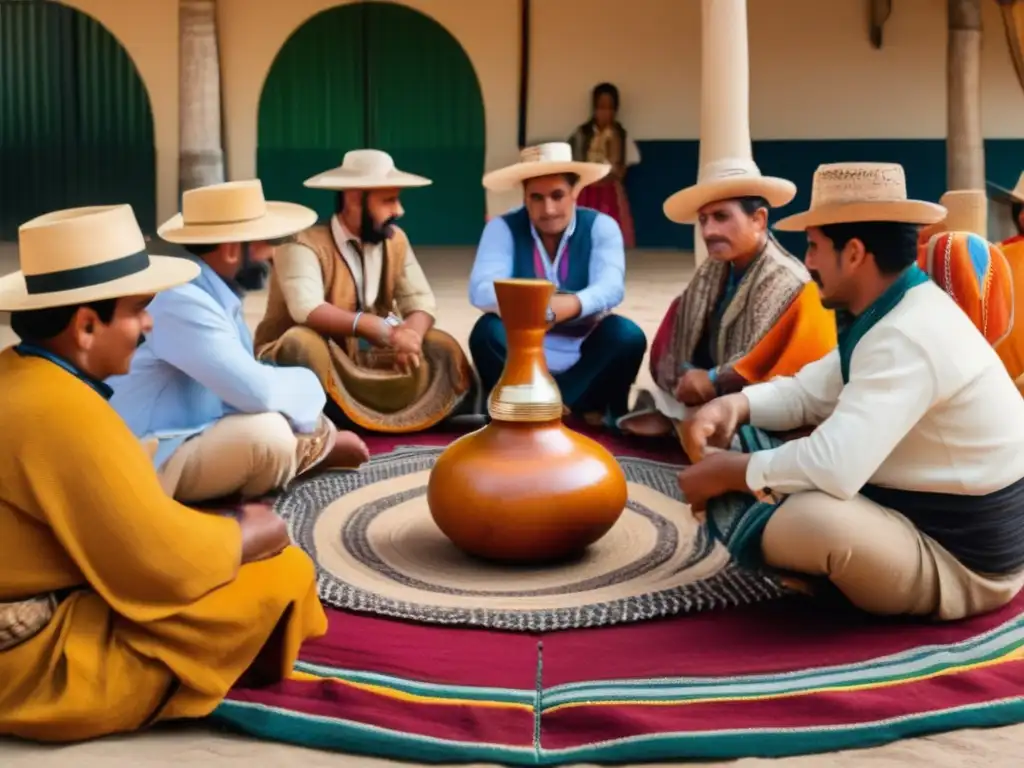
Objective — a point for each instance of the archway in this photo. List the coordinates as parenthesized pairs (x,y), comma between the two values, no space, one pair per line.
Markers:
(76,127)
(380,75)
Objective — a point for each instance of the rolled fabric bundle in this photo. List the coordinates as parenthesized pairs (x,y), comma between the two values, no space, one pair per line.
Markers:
(976,274)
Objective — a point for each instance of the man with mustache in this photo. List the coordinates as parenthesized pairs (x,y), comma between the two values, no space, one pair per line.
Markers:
(350,301)
(750,312)
(224,423)
(908,493)
(594,355)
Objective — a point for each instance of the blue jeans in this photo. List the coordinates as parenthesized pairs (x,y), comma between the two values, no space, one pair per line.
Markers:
(609,361)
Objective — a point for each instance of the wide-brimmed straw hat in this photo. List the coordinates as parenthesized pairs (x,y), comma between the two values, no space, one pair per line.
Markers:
(544,160)
(1016,194)
(234,212)
(80,255)
(727,179)
(846,193)
(366,169)
(966,211)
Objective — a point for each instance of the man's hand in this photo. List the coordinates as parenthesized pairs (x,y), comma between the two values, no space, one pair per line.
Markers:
(566,306)
(714,425)
(714,476)
(406,341)
(406,363)
(695,388)
(264,534)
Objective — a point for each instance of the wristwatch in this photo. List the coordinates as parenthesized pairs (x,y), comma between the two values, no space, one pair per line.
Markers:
(550,316)
(391,322)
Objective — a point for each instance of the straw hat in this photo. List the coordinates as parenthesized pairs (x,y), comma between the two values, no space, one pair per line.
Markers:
(235,212)
(1016,194)
(966,211)
(544,160)
(727,179)
(80,255)
(845,193)
(366,169)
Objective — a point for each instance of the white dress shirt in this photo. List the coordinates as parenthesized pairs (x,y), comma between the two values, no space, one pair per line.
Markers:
(929,407)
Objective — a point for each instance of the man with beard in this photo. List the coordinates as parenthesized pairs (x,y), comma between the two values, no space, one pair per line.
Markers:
(751,311)
(225,424)
(593,354)
(350,302)
(908,495)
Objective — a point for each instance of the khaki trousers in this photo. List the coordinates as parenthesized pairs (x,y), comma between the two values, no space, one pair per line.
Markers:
(878,559)
(246,454)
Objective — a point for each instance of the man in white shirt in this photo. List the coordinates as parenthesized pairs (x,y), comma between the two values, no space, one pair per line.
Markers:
(908,495)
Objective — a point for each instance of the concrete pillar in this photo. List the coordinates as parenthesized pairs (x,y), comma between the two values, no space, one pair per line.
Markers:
(724,89)
(965,146)
(201,150)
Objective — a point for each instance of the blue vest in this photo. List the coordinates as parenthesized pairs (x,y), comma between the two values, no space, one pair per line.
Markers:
(577,250)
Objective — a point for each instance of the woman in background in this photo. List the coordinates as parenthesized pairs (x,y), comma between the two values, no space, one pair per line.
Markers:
(602,139)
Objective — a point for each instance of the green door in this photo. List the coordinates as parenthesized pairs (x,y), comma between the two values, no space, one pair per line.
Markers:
(75,121)
(383,76)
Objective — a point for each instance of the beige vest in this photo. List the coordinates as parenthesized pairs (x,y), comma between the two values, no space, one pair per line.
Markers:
(339,286)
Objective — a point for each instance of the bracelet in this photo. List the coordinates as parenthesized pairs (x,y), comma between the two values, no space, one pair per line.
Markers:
(355,323)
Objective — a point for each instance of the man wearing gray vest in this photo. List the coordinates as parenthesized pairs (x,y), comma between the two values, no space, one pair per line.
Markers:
(594,355)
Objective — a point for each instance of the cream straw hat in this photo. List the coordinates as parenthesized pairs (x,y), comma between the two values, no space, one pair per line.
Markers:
(235,212)
(727,179)
(544,160)
(80,255)
(366,169)
(845,193)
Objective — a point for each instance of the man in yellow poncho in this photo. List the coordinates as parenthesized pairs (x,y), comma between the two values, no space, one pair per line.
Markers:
(119,607)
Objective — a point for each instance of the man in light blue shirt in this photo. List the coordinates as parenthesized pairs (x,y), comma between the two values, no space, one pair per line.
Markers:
(593,354)
(226,425)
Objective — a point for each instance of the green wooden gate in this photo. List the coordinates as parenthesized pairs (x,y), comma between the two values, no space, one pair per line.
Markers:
(383,76)
(75,120)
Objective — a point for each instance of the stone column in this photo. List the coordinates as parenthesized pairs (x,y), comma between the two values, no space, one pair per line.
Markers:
(202,155)
(965,147)
(724,89)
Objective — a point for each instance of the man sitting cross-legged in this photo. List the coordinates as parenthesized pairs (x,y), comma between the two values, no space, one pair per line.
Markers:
(119,607)
(226,423)
(909,493)
(593,354)
(750,312)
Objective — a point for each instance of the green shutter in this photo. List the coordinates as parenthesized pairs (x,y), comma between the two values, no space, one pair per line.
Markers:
(411,91)
(311,108)
(75,121)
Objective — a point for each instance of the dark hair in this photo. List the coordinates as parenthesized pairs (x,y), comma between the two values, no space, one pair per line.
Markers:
(200,250)
(1015,210)
(752,204)
(34,325)
(604,89)
(892,244)
(572,178)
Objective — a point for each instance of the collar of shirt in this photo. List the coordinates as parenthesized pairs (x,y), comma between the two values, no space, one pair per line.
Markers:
(551,265)
(31,350)
(222,292)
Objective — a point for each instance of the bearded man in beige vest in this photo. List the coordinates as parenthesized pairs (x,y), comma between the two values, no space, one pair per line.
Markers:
(350,301)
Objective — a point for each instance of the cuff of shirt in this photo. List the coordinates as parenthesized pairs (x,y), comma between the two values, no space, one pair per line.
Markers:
(764,405)
(407,306)
(757,470)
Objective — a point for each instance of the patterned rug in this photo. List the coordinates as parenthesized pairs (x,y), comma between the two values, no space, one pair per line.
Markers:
(785,677)
(379,551)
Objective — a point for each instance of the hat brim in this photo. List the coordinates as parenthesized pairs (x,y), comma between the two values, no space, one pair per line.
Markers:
(1002,193)
(897,211)
(512,176)
(281,220)
(340,179)
(684,206)
(162,273)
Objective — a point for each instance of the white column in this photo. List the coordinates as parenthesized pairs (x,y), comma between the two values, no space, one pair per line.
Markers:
(724,89)
(201,152)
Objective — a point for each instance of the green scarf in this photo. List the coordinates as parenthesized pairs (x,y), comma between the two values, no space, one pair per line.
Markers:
(851,329)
